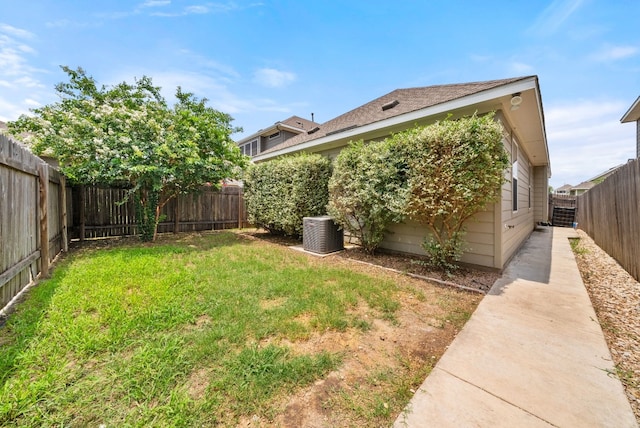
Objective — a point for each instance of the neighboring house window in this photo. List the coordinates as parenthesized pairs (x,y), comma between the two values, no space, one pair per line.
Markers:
(274,135)
(514,175)
(250,148)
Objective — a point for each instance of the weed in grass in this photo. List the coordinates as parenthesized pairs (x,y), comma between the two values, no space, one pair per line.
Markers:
(254,375)
(576,247)
(360,324)
(384,392)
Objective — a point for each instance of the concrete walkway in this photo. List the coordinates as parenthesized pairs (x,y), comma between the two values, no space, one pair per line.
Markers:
(532,354)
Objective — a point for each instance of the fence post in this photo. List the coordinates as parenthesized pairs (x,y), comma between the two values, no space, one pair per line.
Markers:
(62,201)
(176,215)
(240,222)
(81,193)
(43,184)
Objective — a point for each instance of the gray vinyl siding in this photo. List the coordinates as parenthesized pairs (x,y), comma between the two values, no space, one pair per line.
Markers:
(516,225)
(540,193)
(407,237)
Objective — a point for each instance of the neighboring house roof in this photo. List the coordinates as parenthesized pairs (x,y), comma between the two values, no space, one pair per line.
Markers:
(402,108)
(3,126)
(585,185)
(633,114)
(605,174)
(565,188)
(295,124)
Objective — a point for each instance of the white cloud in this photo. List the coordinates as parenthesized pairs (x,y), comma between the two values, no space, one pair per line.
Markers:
(520,67)
(32,103)
(273,78)
(586,138)
(155,3)
(613,53)
(227,71)
(198,10)
(201,9)
(16,32)
(554,16)
(20,82)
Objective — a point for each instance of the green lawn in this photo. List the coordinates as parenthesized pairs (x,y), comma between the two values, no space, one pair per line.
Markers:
(187,332)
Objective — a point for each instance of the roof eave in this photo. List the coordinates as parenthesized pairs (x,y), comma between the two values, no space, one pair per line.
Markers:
(633,114)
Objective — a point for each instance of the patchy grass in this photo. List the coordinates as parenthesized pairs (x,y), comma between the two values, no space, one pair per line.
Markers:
(203,330)
(576,247)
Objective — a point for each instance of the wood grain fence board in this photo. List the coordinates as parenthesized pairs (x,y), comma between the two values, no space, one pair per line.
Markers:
(610,214)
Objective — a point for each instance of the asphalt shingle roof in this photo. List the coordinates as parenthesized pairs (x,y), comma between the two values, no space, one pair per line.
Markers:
(408,100)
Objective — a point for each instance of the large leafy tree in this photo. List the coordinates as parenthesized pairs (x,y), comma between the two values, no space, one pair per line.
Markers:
(127,134)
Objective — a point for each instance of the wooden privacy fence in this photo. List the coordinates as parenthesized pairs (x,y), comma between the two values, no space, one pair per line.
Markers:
(32,206)
(100,212)
(610,214)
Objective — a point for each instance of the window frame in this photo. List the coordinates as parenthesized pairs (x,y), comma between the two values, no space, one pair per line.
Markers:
(514,175)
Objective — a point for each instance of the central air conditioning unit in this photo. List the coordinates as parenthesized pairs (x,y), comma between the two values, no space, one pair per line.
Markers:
(321,235)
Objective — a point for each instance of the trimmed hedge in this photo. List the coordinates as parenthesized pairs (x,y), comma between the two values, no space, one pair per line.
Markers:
(280,192)
(368,190)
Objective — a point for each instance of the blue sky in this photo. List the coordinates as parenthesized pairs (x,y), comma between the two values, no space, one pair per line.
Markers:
(263,61)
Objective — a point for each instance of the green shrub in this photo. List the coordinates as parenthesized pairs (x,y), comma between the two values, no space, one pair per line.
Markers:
(280,192)
(455,169)
(367,190)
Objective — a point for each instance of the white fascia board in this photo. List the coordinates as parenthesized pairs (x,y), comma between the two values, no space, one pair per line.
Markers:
(511,88)
(628,115)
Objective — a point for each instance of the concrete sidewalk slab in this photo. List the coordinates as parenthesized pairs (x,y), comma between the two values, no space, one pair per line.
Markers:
(532,354)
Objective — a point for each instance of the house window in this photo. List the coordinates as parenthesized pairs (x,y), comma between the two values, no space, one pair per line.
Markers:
(274,135)
(514,175)
(254,147)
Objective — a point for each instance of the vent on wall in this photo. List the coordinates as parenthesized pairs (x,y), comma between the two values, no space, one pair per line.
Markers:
(321,235)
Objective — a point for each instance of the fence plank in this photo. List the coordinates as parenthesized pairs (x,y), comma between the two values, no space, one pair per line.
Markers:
(43,184)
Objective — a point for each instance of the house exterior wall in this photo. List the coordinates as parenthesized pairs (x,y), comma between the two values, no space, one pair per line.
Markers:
(407,237)
(268,142)
(519,223)
(540,193)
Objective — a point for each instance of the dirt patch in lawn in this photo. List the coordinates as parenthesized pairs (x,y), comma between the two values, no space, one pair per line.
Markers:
(386,361)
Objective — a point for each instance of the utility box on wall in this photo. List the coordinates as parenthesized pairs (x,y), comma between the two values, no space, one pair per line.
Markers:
(321,235)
